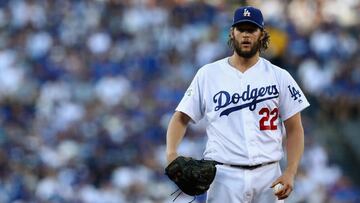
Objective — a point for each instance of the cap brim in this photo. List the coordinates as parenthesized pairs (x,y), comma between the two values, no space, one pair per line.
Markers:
(249,21)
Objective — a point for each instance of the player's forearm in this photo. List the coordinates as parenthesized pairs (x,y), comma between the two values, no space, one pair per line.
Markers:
(175,133)
(295,143)
(295,149)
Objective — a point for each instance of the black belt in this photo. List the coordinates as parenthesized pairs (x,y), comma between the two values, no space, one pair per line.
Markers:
(248,167)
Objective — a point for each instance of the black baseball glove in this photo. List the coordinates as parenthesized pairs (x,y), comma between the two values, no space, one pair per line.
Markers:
(192,176)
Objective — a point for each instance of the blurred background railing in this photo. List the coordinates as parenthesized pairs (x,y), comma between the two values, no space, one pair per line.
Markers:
(87,88)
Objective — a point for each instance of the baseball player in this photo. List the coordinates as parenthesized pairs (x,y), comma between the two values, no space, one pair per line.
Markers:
(249,105)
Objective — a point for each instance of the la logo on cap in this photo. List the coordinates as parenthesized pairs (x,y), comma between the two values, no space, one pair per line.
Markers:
(246,13)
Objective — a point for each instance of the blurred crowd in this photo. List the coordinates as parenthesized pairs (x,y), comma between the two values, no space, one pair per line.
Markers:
(87,88)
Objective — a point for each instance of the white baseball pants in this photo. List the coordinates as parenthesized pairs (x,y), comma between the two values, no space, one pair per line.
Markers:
(235,185)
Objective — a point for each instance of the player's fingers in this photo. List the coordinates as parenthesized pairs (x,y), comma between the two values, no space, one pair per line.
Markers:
(283,190)
(282,197)
(275,183)
(285,193)
(280,192)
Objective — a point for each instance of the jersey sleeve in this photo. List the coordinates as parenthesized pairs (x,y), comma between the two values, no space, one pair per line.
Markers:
(192,102)
(292,99)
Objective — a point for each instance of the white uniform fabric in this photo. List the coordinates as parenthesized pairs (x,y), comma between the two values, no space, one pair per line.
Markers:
(234,185)
(244,114)
(244,111)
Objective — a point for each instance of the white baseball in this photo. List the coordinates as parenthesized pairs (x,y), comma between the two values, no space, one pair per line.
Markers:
(278,187)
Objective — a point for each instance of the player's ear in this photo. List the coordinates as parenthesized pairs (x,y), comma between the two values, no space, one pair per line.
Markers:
(231,33)
(262,34)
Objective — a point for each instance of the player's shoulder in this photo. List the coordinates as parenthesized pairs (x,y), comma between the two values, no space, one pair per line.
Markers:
(269,66)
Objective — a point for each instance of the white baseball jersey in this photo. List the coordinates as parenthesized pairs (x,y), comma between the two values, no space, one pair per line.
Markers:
(244,111)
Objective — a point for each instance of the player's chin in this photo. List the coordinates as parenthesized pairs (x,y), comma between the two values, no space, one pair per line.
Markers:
(246,54)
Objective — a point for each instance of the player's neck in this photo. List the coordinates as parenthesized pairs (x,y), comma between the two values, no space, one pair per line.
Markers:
(241,63)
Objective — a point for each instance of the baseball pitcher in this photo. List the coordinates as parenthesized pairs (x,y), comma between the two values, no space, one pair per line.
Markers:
(249,105)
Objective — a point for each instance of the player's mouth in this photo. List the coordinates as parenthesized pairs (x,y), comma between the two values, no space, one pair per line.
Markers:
(246,43)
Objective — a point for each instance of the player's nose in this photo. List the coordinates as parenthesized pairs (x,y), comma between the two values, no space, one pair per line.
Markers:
(245,36)
(246,40)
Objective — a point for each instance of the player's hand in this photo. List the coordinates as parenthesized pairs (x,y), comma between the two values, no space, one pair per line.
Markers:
(287,180)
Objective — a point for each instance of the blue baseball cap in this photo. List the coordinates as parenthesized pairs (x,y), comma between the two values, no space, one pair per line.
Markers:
(248,14)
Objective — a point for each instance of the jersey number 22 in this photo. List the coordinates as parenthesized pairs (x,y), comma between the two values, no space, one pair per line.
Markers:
(267,122)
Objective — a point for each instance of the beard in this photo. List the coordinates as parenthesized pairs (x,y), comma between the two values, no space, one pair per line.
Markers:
(246,54)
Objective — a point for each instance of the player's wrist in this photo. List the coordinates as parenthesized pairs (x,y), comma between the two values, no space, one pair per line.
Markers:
(170,156)
(290,171)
